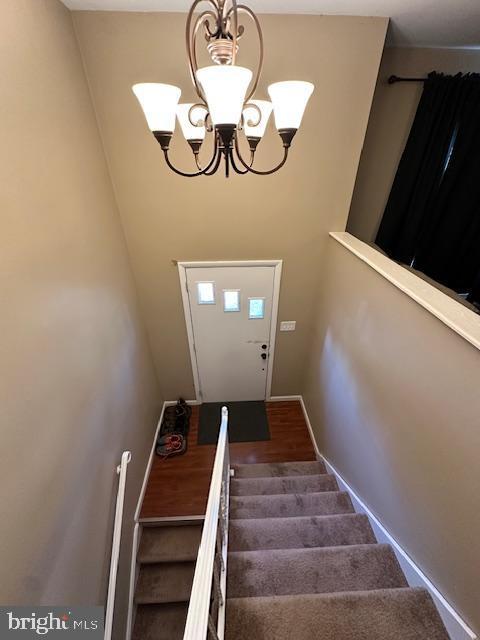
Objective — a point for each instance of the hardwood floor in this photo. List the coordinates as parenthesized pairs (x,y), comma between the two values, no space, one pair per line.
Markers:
(179,486)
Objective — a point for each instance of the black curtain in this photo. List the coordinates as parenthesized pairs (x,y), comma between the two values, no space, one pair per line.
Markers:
(432,218)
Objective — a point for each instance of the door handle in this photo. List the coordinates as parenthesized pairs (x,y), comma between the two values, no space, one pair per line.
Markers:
(264,356)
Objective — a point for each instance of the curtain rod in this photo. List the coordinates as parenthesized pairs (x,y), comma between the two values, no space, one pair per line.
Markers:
(394,79)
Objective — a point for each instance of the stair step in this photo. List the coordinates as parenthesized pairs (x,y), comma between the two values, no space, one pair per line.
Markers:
(391,614)
(169,544)
(165,582)
(286,505)
(160,621)
(285,484)
(281,572)
(301,532)
(265,470)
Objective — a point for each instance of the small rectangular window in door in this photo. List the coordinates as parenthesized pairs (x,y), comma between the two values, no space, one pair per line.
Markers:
(206,292)
(231,300)
(256,308)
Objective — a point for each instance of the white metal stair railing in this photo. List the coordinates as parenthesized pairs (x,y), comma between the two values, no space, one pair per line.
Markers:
(117,534)
(210,577)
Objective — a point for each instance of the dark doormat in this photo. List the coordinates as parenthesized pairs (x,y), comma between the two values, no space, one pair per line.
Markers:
(247,422)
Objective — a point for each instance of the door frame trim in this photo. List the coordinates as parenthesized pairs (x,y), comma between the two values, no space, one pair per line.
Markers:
(277,276)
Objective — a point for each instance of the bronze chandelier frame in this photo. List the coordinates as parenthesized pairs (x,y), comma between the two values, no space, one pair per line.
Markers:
(222,31)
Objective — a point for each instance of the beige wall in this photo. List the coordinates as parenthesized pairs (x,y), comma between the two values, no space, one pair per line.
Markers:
(77,384)
(391,118)
(392,394)
(283,216)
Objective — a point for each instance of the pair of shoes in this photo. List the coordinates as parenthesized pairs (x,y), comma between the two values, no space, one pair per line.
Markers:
(172,439)
(171,445)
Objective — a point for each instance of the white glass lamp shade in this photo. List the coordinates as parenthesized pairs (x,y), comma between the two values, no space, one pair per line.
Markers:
(289,102)
(225,88)
(159,104)
(250,114)
(190,131)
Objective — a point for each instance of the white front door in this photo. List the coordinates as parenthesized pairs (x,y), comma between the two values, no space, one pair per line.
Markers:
(231,311)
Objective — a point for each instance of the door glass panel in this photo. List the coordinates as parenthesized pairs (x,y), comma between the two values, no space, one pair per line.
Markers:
(256,308)
(231,300)
(206,292)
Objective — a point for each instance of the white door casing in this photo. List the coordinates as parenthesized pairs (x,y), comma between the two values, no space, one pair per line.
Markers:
(226,347)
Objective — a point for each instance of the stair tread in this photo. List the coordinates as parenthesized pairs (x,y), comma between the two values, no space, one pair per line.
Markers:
(267,469)
(283,484)
(160,621)
(387,614)
(165,582)
(169,543)
(299,532)
(293,504)
(280,572)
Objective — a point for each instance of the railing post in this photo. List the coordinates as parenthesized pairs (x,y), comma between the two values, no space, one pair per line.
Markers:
(217,572)
(219,555)
(211,628)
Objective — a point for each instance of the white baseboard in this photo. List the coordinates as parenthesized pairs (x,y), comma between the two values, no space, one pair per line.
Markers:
(149,466)
(455,625)
(283,398)
(310,429)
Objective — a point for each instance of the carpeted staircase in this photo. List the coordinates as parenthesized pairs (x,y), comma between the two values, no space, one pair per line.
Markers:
(166,556)
(302,565)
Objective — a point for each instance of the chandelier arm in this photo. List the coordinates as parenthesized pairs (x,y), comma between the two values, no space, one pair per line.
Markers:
(233,12)
(234,165)
(263,173)
(177,171)
(252,154)
(196,173)
(251,123)
(241,8)
(190,37)
(193,51)
(216,150)
(214,169)
(198,123)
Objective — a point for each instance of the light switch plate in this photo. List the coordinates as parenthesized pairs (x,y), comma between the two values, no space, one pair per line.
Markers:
(288,325)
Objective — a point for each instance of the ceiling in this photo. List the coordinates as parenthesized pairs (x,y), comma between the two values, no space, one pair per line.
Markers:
(434,23)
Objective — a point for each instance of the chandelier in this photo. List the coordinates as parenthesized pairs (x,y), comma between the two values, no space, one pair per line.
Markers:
(226,107)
